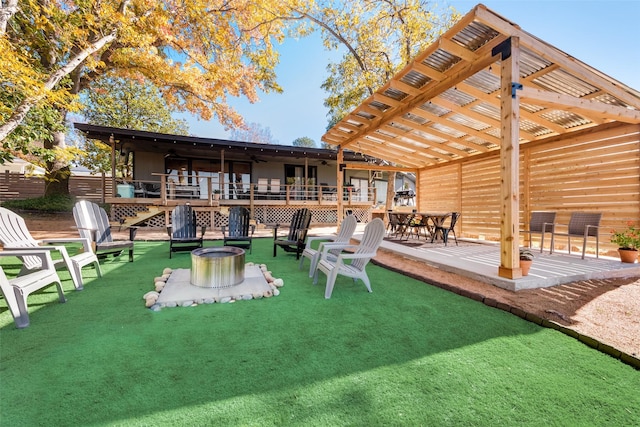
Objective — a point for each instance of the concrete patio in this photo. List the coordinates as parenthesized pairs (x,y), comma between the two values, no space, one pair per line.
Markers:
(480,261)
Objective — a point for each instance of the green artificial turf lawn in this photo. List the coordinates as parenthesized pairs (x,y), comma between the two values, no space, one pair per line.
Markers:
(406,354)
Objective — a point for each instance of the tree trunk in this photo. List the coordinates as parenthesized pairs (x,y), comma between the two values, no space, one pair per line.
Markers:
(57,174)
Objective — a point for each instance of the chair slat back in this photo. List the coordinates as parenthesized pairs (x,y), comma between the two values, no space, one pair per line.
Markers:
(183,222)
(239,218)
(299,225)
(89,216)
(580,220)
(14,233)
(539,218)
(371,240)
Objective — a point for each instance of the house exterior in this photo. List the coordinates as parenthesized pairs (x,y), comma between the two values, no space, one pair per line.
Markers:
(212,175)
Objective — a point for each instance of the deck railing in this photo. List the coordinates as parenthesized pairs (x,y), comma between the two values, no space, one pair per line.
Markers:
(210,190)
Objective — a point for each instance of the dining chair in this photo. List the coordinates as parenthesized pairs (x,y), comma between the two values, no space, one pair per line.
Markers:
(540,222)
(445,229)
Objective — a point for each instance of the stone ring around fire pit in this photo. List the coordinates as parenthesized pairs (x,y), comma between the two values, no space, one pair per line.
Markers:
(174,288)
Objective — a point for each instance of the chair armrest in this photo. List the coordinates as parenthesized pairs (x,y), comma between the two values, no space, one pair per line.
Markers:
(330,246)
(86,243)
(311,239)
(544,227)
(132,233)
(170,230)
(555,224)
(42,253)
(275,229)
(588,227)
(203,230)
(23,249)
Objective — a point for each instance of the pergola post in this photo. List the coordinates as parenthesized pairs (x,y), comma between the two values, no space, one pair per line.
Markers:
(339,184)
(509,159)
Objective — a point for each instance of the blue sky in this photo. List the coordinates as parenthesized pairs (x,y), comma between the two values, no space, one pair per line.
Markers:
(603,34)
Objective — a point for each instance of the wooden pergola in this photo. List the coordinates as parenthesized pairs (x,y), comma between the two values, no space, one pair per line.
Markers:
(485,85)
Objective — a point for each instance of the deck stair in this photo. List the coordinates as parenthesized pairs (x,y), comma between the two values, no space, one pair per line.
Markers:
(140,217)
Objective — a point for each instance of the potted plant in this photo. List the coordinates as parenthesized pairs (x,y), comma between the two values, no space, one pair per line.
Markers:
(628,241)
(216,194)
(526,259)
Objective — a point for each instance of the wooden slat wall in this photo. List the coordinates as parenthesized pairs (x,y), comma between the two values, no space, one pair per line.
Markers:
(597,171)
(17,186)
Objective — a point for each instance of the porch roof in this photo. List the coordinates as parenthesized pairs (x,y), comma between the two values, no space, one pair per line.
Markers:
(191,146)
(445,105)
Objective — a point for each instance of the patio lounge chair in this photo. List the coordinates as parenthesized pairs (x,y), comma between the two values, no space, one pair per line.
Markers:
(581,225)
(240,231)
(295,240)
(14,235)
(262,188)
(93,224)
(17,290)
(359,258)
(540,222)
(183,230)
(347,228)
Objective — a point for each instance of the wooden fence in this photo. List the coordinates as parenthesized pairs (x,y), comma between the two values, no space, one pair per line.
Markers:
(597,171)
(18,186)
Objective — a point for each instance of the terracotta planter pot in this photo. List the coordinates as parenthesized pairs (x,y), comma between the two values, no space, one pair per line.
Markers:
(525,266)
(628,255)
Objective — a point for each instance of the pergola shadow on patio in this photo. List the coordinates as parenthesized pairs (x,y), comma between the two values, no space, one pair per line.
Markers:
(479,261)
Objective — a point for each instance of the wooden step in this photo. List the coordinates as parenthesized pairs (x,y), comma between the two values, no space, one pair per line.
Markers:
(141,217)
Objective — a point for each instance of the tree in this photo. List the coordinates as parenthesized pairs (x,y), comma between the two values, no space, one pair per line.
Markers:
(253,132)
(196,53)
(304,141)
(128,104)
(379,37)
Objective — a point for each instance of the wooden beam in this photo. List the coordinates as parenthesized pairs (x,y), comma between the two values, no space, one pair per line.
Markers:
(360,166)
(579,105)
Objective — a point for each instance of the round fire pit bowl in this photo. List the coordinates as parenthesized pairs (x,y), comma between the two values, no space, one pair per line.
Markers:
(217,267)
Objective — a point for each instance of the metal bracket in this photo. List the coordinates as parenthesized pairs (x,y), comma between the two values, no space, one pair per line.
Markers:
(514,87)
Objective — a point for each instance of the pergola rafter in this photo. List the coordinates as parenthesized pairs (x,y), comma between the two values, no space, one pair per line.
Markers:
(449,105)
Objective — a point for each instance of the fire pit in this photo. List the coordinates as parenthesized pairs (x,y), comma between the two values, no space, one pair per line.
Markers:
(217,267)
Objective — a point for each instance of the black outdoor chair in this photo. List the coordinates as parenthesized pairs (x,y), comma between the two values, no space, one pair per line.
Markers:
(446,229)
(541,222)
(239,232)
(183,230)
(295,240)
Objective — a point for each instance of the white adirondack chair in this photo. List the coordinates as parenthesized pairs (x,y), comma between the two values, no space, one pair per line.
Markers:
(359,258)
(15,236)
(347,229)
(93,224)
(17,290)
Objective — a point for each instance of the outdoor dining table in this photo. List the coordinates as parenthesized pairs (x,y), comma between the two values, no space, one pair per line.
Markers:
(437,219)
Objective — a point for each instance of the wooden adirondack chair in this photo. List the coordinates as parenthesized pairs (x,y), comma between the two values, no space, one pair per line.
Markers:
(357,260)
(347,229)
(14,235)
(93,224)
(295,240)
(240,231)
(183,230)
(17,290)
